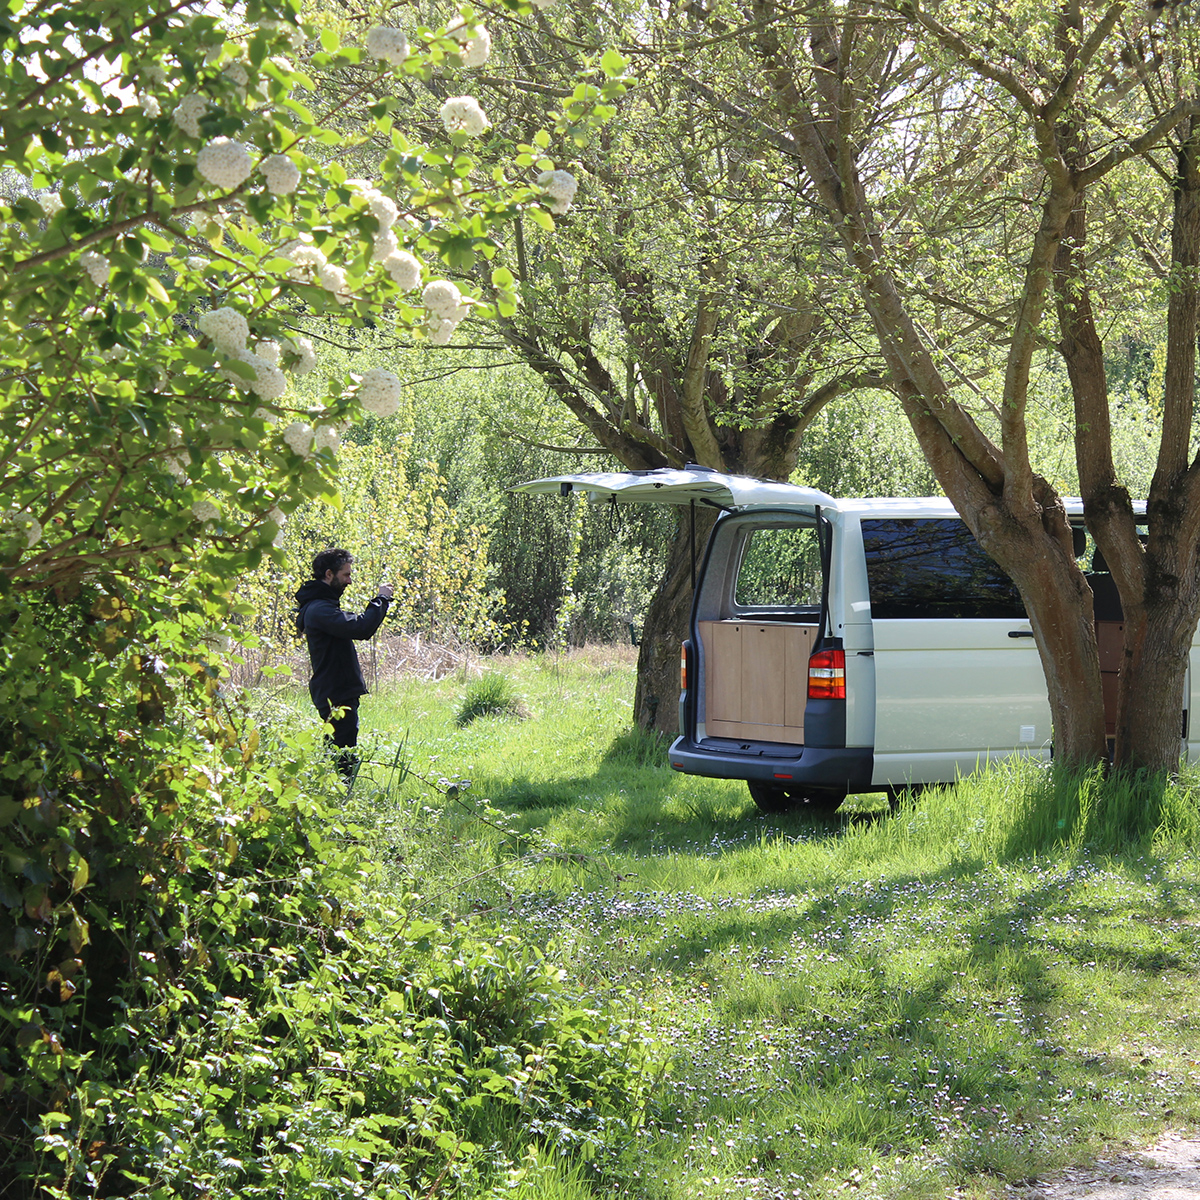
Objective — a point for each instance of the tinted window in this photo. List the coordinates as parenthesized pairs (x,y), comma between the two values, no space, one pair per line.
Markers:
(933,569)
(780,568)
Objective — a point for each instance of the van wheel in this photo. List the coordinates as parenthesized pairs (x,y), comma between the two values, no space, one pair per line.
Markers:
(771,798)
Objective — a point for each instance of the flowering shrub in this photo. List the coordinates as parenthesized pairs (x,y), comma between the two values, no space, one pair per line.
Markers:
(178,234)
(211,211)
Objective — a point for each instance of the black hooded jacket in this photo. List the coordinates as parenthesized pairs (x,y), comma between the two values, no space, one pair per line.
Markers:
(336,675)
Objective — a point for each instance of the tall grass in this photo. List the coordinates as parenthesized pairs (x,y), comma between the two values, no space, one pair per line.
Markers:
(493,694)
(997,978)
(1020,809)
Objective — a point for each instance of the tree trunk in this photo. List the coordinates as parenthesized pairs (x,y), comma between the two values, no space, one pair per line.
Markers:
(656,701)
(1156,654)
(1160,592)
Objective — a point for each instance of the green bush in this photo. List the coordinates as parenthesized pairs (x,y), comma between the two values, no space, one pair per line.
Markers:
(491,695)
(373,1055)
(197,998)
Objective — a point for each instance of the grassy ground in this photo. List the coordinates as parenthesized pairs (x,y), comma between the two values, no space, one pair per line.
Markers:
(966,993)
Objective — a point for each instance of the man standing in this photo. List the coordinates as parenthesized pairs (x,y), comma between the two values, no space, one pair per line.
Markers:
(337,680)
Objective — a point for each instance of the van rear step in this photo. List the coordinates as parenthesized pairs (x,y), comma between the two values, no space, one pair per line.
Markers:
(751,749)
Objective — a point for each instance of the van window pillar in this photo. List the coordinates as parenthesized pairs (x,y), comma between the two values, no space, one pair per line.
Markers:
(825,546)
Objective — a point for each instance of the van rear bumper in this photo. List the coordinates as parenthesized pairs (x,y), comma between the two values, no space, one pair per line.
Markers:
(848,767)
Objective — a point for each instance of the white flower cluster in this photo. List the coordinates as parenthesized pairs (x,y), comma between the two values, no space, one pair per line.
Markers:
(150,106)
(51,203)
(229,331)
(385,244)
(475,40)
(22,523)
(307,260)
(188,113)
(560,186)
(444,300)
(96,265)
(237,75)
(326,437)
(277,515)
(205,511)
(311,265)
(225,163)
(333,279)
(383,208)
(388,45)
(299,436)
(446,308)
(405,270)
(227,328)
(462,114)
(282,175)
(269,382)
(306,356)
(379,393)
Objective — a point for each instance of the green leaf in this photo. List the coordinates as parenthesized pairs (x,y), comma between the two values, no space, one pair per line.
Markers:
(612,63)
(156,289)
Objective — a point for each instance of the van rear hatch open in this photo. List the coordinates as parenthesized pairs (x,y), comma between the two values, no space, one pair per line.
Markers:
(748,711)
(683,486)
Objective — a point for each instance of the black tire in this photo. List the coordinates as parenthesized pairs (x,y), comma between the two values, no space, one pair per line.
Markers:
(773,798)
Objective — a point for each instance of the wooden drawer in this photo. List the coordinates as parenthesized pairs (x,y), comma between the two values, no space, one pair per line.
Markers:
(756,675)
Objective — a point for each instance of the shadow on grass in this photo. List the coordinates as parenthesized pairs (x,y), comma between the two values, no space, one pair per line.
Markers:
(962,1028)
(895,1004)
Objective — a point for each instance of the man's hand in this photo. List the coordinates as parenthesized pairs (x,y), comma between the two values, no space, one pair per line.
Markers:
(385,590)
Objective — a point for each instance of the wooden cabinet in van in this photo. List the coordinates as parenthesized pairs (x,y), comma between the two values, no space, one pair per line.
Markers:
(757,679)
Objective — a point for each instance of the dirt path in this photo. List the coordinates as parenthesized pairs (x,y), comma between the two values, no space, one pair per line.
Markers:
(1169,1170)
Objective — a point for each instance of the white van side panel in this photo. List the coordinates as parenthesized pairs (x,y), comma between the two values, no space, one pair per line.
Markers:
(952,695)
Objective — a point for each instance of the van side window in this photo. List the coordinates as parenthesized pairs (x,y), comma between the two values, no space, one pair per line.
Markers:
(933,569)
(780,568)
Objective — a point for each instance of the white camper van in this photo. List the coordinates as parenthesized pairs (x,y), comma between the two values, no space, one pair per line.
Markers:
(846,646)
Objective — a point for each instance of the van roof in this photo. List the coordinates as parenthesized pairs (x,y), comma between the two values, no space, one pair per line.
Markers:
(741,492)
(921,506)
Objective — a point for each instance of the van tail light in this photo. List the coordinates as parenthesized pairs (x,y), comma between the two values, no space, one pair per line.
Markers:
(683,666)
(827,675)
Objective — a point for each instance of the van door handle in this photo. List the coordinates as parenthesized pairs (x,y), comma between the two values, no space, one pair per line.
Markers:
(1020,633)
(866,654)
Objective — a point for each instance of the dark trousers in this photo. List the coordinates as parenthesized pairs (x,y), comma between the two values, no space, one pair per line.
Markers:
(344,734)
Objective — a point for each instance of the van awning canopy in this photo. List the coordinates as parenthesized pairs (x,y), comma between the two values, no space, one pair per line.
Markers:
(671,486)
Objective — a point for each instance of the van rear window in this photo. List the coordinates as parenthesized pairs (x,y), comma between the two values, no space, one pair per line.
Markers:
(780,568)
(933,569)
